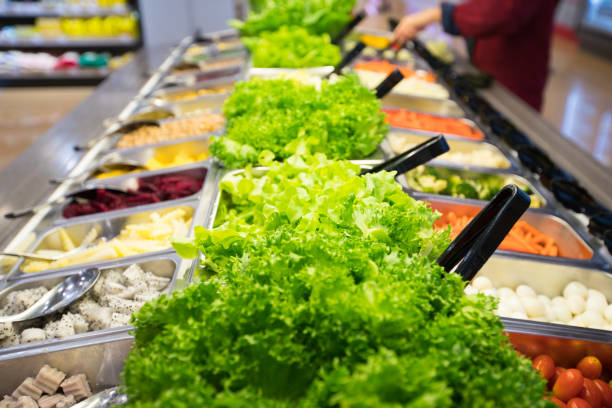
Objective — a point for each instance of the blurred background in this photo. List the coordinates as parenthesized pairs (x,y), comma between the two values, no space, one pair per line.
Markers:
(54,52)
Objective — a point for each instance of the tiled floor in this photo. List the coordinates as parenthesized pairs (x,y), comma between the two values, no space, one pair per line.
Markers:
(578,98)
(26,113)
(578,102)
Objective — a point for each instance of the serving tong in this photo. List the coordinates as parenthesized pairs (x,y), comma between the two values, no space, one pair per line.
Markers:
(481,237)
(111,185)
(106,164)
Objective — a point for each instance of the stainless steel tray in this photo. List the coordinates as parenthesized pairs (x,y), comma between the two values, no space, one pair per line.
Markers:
(456,145)
(474,172)
(571,245)
(196,171)
(165,264)
(195,145)
(160,96)
(468,122)
(548,278)
(101,359)
(442,107)
(201,104)
(117,136)
(107,225)
(204,74)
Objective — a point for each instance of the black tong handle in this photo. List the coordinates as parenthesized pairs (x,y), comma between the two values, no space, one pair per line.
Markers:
(477,242)
(350,56)
(414,157)
(388,83)
(349,27)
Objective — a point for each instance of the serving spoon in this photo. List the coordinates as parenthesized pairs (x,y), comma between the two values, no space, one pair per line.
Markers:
(60,296)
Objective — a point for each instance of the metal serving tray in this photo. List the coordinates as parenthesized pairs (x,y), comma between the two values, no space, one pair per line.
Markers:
(196,171)
(117,136)
(434,106)
(164,95)
(98,354)
(165,264)
(108,227)
(413,138)
(475,172)
(203,74)
(196,146)
(548,278)
(279,72)
(468,122)
(570,244)
(201,104)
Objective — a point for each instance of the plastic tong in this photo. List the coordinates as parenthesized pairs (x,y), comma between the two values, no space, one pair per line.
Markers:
(477,242)
(414,157)
(349,27)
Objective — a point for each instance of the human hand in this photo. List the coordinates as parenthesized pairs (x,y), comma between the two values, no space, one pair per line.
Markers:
(410,25)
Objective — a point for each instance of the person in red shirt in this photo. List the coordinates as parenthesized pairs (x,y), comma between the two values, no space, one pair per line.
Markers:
(512,39)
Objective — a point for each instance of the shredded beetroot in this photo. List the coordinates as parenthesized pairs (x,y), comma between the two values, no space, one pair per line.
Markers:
(162,188)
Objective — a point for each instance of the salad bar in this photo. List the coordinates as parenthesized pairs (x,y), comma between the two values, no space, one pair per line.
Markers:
(249,253)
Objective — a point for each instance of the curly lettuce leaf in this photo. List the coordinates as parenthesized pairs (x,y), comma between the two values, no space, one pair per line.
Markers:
(292,47)
(341,119)
(316,16)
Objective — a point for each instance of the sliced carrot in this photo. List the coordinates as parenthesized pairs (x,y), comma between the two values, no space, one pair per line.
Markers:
(521,238)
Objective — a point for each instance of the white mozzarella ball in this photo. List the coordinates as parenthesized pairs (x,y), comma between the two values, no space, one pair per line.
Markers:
(518,315)
(544,300)
(608,327)
(533,307)
(490,292)
(596,301)
(503,310)
(505,292)
(562,312)
(482,283)
(539,319)
(515,305)
(470,290)
(550,313)
(592,319)
(557,300)
(608,313)
(575,288)
(558,322)
(525,291)
(576,321)
(576,303)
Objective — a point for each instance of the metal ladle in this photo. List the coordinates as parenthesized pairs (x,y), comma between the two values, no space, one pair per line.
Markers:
(60,296)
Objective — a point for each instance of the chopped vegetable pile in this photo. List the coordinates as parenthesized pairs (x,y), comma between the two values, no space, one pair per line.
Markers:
(292,47)
(149,191)
(322,290)
(478,186)
(273,119)
(317,16)
(430,123)
(521,238)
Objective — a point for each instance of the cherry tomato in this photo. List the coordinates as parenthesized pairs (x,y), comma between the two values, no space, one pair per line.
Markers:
(606,393)
(545,365)
(557,401)
(568,385)
(553,380)
(578,403)
(590,367)
(591,394)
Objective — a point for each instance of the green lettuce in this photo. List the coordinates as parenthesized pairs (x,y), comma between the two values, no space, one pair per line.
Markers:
(316,16)
(285,117)
(320,289)
(292,47)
